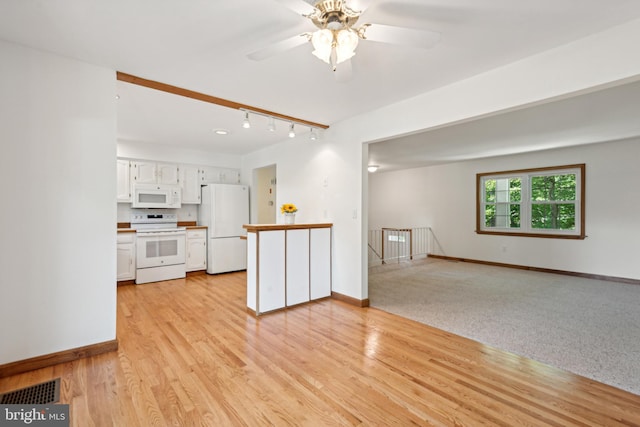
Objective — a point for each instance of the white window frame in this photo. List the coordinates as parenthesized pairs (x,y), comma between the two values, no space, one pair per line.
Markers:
(526,203)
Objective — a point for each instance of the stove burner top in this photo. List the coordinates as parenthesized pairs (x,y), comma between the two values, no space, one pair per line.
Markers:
(154,221)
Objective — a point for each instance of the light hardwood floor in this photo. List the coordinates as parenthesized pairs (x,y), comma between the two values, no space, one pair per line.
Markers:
(190,354)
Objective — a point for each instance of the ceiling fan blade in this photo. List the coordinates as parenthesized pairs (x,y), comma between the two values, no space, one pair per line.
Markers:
(298,6)
(278,47)
(402,36)
(343,72)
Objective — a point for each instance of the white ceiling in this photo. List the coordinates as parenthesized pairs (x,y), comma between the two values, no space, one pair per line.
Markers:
(202,45)
(605,115)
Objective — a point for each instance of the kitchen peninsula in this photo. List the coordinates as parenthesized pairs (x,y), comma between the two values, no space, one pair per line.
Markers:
(287,265)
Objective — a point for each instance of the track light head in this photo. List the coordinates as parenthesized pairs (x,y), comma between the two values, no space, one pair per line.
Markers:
(292,133)
(245,123)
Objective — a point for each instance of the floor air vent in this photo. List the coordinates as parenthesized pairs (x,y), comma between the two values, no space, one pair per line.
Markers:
(39,394)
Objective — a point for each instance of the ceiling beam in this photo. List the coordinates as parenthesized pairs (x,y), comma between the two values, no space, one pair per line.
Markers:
(128,78)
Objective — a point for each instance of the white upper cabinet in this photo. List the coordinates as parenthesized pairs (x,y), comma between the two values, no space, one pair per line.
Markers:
(124,182)
(146,172)
(190,179)
(209,175)
(167,173)
(143,172)
(214,175)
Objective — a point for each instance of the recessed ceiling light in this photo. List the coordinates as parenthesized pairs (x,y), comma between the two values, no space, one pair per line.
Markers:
(221,132)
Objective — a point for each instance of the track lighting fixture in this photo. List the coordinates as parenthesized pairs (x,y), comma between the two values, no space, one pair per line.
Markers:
(245,123)
(271,124)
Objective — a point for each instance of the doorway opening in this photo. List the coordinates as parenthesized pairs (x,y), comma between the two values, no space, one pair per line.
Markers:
(264,194)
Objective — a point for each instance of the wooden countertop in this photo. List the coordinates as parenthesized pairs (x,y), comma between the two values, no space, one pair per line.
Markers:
(253,228)
(125,227)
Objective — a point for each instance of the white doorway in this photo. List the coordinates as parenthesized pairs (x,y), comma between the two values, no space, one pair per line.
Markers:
(264,194)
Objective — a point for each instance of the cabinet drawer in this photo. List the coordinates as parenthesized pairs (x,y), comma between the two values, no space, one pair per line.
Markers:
(198,233)
(126,237)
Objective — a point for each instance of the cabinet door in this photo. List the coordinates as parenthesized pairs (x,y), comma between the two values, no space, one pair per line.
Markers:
(320,262)
(190,184)
(167,173)
(271,271)
(233,176)
(209,175)
(126,261)
(196,254)
(124,184)
(212,175)
(196,249)
(297,266)
(144,172)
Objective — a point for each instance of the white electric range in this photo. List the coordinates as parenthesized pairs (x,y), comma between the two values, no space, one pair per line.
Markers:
(160,245)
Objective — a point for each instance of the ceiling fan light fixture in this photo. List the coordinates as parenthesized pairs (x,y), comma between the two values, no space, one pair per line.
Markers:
(246,123)
(346,43)
(322,41)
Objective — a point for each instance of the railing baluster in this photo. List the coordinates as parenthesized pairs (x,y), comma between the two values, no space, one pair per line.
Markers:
(397,244)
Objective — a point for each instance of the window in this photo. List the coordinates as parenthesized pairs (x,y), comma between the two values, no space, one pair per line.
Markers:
(543,202)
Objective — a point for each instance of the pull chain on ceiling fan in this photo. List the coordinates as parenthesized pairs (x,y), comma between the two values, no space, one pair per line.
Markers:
(337,37)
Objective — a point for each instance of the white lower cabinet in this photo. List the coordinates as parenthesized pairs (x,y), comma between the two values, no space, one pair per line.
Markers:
(126,259)
(196,249)
(271,271)
(297,251)
(320,263)
(287,265)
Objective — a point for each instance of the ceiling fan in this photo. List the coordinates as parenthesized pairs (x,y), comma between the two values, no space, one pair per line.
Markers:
(338,33)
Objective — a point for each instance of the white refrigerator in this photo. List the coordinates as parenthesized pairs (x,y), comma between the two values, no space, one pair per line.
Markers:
(224,210)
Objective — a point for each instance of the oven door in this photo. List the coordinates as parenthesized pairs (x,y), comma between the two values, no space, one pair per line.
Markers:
(160,248)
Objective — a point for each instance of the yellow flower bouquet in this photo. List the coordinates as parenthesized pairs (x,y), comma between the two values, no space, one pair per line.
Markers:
(289,211)
(288,208)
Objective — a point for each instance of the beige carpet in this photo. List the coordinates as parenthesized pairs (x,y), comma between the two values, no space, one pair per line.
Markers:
(585,326)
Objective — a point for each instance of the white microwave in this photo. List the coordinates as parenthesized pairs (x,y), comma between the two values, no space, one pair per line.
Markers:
(156,196)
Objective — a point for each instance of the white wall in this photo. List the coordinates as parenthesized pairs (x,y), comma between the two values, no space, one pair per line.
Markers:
(58,216)
(443,197)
